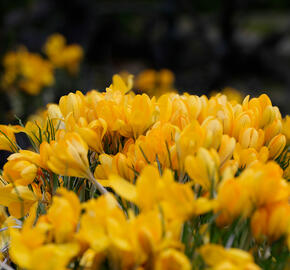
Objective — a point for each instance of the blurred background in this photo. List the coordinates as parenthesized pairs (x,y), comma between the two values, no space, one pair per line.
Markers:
(207,44)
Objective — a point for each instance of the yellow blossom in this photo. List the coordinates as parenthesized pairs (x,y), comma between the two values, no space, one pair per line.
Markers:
(68,156)
(33,71)
(173,260)
(286,128)
(62,55)
(219,258)
(272,221)
(226,148)
(63,215)
(276,146)
(18,199)
(7,138)
(203,168)
(19,172)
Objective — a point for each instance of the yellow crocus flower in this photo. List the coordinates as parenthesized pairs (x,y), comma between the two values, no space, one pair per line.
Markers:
(62,55)
(7,139)
(134,125)
(272,221)
(92,133)
(250,137)
(73,103)
(218,258)
(18,199)
(214,131)
(226,148)
(172,259)
(30,250)
(120,85)
(152,190)
(276,146)
(19,172)
(286,127)
(203,168)
(188,141)
(67,156)
(232,201)
(272,130)
(63,215)
(264,184)
(53,256)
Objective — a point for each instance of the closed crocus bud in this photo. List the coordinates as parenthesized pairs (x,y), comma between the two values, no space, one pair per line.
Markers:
(213,130)
(242,121)
(53,112)
(227,148)
(140,115)
(19,172)
(189,140)
(250,137)
(123,166)
(268,116)
(74,103)
(193,104)
(165,108)
(272,130)
(276,146)
(203,168)
(286,128)
(226,116)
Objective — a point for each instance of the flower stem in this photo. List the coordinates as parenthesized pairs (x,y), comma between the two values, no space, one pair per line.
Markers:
(97,184)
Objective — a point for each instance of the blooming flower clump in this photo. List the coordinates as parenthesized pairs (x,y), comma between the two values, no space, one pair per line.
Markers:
(118,180)
(31,72)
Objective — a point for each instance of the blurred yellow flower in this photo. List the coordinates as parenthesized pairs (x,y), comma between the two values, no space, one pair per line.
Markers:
(172,259)
(18,199)
(28,71)
(155,82)
(62,55)
(218,258)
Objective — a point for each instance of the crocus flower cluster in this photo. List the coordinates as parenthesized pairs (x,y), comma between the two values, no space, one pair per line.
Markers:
(31,72)
(118,180)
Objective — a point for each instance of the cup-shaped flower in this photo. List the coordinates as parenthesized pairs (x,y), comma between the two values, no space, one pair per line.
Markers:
(18,199)
(276,146)
(19,172)
(203,167)
(67,156)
